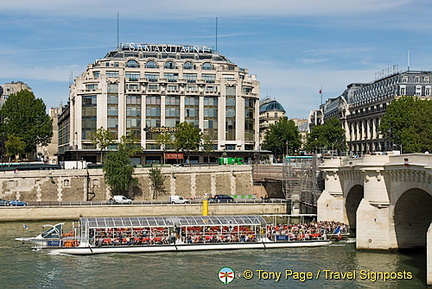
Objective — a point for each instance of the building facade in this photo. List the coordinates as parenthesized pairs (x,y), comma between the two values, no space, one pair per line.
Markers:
(10,88)
(144,89)
(269,113)
(362,106)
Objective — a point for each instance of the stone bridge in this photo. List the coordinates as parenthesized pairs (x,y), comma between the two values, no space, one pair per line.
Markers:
(387,199)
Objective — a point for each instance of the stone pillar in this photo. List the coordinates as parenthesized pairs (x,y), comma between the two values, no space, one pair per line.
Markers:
(429,256)
(330,205)
(373,214)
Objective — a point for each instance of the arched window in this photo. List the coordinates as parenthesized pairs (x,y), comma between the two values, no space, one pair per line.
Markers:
(188,65)
(132,63)
(151,64)
(207,66)
(169,65)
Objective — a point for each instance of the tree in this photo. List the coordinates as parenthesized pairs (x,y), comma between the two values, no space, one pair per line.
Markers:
(24,116)
(208,146)
(164,139)
(102,138)
(281,137)
(187,138)
(329,135)
(157,182)
(408,124)
(14,146)
(118,169)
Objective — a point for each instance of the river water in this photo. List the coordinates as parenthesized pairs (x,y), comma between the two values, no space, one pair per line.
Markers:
(335,266)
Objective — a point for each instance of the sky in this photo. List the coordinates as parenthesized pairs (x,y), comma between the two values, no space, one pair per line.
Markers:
(295,48)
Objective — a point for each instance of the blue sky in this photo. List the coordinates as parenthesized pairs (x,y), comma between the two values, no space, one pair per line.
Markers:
(294,47)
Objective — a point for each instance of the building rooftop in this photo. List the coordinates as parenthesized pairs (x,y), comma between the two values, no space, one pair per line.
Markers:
(270,105)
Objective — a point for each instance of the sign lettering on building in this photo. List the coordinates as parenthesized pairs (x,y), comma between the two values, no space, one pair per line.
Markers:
(161,129)
(165,48)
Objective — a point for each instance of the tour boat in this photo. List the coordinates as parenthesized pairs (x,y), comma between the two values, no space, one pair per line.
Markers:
(162,234)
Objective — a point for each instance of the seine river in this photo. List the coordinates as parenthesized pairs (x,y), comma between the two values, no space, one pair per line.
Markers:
(323,267)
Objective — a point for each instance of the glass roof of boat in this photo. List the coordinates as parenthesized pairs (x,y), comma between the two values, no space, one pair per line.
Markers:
(127,222)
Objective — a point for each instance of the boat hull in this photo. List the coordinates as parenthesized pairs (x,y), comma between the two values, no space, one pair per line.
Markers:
(186,247)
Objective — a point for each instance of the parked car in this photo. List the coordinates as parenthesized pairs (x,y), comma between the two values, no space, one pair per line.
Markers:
(17,203)
(178,200)
(221,199)
(119,199)
(4,203)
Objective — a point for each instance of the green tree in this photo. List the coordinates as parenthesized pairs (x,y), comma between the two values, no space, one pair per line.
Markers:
(281,137)
(408,124)
(118,169)
(329,135)
(157,182)
(14,146)
(102,138)
(24,116)
(207,144)
(164,140)
(187,138)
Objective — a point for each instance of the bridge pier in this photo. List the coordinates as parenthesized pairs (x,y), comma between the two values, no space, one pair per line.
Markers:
(331,203)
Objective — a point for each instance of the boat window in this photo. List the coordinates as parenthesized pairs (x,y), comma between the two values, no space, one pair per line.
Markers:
(53,232)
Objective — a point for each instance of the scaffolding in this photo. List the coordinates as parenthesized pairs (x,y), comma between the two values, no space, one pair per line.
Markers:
(299,183)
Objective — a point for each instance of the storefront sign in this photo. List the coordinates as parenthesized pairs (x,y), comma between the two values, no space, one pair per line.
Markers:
(174,156)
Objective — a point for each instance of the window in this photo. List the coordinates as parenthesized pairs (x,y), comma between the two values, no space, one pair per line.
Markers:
(151,64)
(152,76)
(132,64)
(132,76)
(171,87)
(91,86)
(416,79)
(418,90)
(188,65)
(191,88)
(207,66)
(209,78)
(169,65)
(112,74)
(403,90)
(190,77)
(96,74)
(405,79)
(171,77)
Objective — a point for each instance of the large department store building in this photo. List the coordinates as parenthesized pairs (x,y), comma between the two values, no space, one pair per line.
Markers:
(143,89)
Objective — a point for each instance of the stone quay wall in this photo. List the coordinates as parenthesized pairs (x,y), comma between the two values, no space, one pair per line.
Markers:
(89,185)
(31,213)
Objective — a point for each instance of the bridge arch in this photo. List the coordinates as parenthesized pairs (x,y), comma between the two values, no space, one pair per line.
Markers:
(352,201)
(412,216)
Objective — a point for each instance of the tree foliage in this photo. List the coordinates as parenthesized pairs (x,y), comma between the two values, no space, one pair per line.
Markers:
(25,116)
(187,137)
(408,124)
(329,135)
(102,138)
(14,146)
(157,182)
(281,137)
(164,140)
(207,144)
(118,169)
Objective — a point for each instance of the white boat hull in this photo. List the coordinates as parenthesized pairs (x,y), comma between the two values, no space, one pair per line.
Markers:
(186,247)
